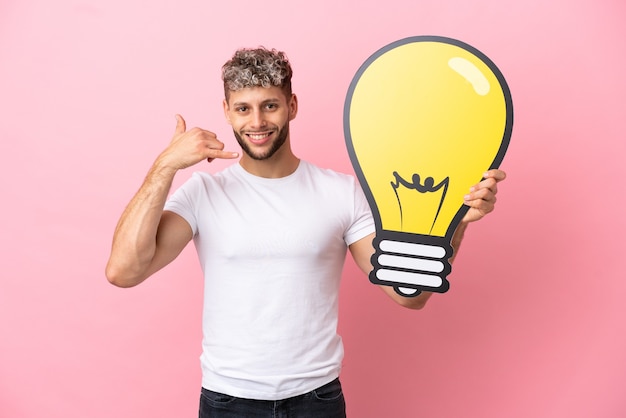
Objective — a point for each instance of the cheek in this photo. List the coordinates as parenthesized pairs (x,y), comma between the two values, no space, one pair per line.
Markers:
(235,121)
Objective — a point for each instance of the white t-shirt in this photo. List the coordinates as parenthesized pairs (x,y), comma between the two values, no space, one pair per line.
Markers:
(272,253)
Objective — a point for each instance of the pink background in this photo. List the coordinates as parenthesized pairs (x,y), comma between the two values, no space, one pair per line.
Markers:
(534,323)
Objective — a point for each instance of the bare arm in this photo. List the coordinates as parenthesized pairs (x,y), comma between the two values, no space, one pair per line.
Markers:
(481,199)
(147,238)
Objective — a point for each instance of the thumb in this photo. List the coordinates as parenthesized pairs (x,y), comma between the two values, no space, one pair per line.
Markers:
(181,127)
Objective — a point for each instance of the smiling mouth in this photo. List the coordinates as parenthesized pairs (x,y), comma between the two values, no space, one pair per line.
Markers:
(259,138)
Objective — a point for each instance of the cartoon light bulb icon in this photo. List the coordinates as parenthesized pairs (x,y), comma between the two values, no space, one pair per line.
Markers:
(424,118)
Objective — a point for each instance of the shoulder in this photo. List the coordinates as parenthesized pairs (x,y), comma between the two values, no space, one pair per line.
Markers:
(207,178)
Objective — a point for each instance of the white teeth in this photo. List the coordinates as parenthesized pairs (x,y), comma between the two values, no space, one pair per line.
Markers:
(257,137)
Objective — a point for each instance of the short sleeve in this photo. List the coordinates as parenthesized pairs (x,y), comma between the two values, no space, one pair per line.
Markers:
(184,201)
(363,222)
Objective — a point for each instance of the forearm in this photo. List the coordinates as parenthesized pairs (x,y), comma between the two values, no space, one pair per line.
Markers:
(457,238)
(134,240)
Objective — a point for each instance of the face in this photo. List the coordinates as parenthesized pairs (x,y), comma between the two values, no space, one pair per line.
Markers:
(260,119)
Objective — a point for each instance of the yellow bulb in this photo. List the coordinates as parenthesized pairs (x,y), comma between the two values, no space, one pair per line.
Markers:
(425,117)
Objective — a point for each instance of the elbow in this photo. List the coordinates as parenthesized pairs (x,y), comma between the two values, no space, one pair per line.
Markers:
(119,278)
(415,304)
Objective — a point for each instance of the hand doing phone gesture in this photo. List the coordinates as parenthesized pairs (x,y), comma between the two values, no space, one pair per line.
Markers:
(189,147)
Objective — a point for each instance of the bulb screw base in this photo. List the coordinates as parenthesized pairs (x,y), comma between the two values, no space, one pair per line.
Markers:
(411,263)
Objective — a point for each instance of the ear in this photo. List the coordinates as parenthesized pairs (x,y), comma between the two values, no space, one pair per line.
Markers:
(293,107)
(226,109)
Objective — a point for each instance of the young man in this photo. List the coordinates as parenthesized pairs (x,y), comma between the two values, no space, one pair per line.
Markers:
(271,233)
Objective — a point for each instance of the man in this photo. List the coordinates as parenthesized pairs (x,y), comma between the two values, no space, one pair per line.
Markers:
(271,233)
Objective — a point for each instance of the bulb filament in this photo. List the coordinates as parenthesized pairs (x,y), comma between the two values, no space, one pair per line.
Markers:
(429,186)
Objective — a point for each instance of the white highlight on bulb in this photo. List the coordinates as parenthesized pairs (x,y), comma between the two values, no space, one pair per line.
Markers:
(471,73)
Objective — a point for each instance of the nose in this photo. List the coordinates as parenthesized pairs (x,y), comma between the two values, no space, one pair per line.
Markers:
(257,120)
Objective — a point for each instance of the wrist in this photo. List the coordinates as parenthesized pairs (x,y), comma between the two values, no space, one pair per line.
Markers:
(163,167)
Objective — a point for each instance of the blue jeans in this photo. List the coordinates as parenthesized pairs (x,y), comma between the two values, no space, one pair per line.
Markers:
(324,402)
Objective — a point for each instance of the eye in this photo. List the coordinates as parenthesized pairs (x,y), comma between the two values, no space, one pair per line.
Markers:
(241,109)
(271,106)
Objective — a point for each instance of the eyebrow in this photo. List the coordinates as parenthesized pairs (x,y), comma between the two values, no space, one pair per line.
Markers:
(266,101)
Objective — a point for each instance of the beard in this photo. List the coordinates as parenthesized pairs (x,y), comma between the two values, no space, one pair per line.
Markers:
(281,138)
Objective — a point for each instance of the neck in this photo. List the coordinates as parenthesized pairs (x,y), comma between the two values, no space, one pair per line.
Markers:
(281,164)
